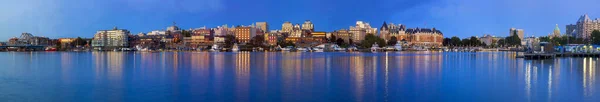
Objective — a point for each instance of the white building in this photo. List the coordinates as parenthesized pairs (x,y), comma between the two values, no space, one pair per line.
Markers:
(287,27)
(518,32)
(263,26)
(115,38)
(585,26)
(157,32)
(308,25)
(361,29)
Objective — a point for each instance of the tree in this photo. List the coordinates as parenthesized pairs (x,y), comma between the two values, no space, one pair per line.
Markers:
(339,41)
(393,40)
(465,42)
(230,40)
(595,37)
(332,38)
(371,39)
(501,42)
(79,42)
(455,41)
(513,40)
(257,41)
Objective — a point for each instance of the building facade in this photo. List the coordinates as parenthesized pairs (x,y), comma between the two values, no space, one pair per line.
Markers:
(342,34)
(585,26)
(570,30)
(390,30)
(360,30)
(263,26)
(115,38)
(244,33)
(308,25)
(287,27)
(518,32)
(425,37)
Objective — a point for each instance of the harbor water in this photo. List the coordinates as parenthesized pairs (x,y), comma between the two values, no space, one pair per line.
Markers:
(294,77)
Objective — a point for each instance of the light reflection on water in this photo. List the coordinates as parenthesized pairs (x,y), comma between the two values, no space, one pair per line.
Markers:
(252,76)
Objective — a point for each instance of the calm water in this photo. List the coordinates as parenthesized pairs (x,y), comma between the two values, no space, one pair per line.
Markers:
(304,77)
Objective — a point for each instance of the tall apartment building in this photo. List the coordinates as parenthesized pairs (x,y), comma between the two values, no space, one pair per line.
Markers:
(308,25)
(287,27)
(570,30)
(519,32)
(360,30)
(585,26)
(107,39)
(244,33)
(263,26)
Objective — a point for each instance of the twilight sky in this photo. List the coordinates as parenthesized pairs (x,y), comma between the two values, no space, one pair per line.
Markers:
(463,18)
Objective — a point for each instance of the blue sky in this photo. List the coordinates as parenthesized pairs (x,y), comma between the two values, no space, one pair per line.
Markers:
(463,18)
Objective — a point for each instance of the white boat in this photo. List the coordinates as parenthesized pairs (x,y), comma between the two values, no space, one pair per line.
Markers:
(302,49)
(352,48)
(337,48)
(375,47)
(215,48)
(235,48)
(317,49)
(398,47)
(288,48)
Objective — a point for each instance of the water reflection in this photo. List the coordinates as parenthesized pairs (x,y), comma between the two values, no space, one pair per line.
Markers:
(254,76)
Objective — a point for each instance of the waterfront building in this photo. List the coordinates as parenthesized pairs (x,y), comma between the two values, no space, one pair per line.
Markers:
(570,30)
(221,30)
(387,31)
(287,27)
(199,37)
(272,37)
(519,32)
(425,37)
(14,41)
(174,32)
(264,27)
(487,39)
(107,39)
(585,26)
(65,42)
(360,30)
(308,25)
(343,34)
(296,31)
(244,33)
(319,34)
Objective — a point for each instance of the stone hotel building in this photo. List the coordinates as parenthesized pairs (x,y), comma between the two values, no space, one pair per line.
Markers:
(425,37)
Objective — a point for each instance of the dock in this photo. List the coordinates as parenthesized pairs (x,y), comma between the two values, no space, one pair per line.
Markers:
(554,55)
